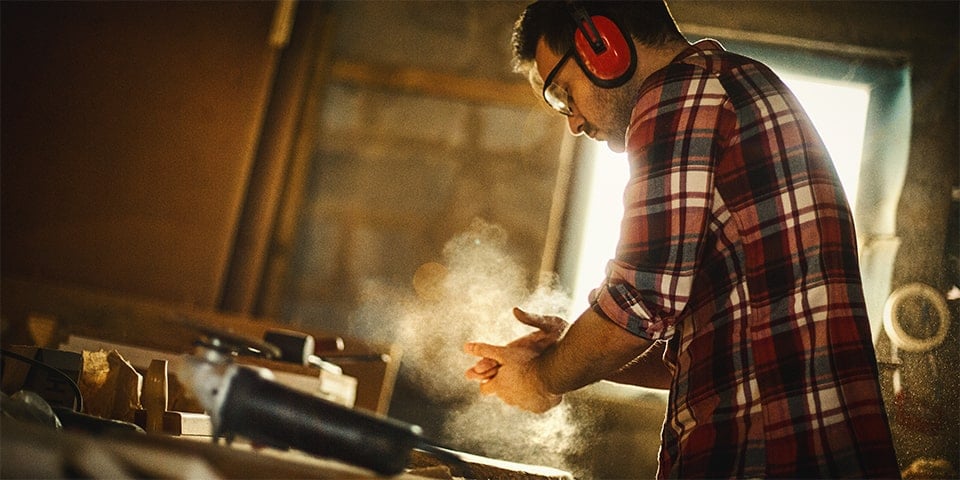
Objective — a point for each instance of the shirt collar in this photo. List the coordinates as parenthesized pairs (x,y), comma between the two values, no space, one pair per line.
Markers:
(707,46)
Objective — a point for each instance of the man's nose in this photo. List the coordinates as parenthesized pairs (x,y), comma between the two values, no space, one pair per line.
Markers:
(576,123)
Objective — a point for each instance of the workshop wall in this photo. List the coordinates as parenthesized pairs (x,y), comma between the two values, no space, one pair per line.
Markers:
(397,173)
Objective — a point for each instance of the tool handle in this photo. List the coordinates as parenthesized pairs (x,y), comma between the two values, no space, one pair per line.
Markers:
(298,347)
(273,414)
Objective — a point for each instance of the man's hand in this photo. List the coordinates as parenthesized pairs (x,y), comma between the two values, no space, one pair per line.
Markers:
(550,329)
(510,371)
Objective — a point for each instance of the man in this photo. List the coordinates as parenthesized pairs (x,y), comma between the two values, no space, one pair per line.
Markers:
(735,283)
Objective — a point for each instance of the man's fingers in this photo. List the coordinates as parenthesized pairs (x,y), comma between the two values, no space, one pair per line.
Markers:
(547,323)
(481,376)
(484,369)
(488,388)
(484,350)
(485,365)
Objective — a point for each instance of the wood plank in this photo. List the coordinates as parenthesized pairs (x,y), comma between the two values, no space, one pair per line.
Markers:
(439,84)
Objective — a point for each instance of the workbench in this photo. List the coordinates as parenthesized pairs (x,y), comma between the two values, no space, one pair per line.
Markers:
(62,319)
(33,451)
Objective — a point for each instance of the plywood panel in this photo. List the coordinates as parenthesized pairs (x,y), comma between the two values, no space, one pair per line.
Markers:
(129,129)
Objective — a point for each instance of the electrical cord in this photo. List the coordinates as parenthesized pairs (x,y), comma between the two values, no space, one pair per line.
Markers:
(73,385)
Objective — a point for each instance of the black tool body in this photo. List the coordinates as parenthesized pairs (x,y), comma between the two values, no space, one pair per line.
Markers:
(272,414)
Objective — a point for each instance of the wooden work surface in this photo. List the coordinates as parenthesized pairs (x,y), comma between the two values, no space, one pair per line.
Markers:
(31,451)
(47,315)
(38,452)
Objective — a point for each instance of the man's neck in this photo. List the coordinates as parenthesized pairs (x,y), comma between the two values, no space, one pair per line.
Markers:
(653,58)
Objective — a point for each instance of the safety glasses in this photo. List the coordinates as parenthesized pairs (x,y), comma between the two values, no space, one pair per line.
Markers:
(555,95)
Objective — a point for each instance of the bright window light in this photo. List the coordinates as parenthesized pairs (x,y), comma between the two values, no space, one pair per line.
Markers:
(607,177)
(838,111)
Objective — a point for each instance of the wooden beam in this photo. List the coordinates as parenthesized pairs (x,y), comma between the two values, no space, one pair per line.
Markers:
(292,197)
(858,51)
(415,80)
(243,280)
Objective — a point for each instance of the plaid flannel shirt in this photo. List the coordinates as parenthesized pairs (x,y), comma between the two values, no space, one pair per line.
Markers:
(737,248)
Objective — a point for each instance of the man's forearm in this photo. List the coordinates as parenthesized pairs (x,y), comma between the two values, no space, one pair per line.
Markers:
(647,370)
(593,349)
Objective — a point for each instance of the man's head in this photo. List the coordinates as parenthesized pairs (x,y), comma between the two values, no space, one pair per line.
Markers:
(543,45)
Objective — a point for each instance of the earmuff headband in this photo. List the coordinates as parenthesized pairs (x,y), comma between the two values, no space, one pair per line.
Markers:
(604,53)
(587,28)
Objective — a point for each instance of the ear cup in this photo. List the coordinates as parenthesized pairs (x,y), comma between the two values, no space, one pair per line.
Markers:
(610,60)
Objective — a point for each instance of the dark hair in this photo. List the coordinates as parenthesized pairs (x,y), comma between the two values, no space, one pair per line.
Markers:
(648,22)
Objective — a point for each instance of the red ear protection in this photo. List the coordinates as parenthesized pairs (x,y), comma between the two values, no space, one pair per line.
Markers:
(604,53)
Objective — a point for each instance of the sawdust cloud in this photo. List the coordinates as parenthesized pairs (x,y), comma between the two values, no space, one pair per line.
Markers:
(468,296)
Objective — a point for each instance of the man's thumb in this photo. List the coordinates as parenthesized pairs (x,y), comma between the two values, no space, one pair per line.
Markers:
(546,323)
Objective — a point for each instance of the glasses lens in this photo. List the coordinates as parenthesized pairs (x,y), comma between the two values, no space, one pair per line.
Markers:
(558,99)
(554,94)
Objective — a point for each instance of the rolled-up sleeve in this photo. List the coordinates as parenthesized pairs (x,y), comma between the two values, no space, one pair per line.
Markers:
(672,146)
